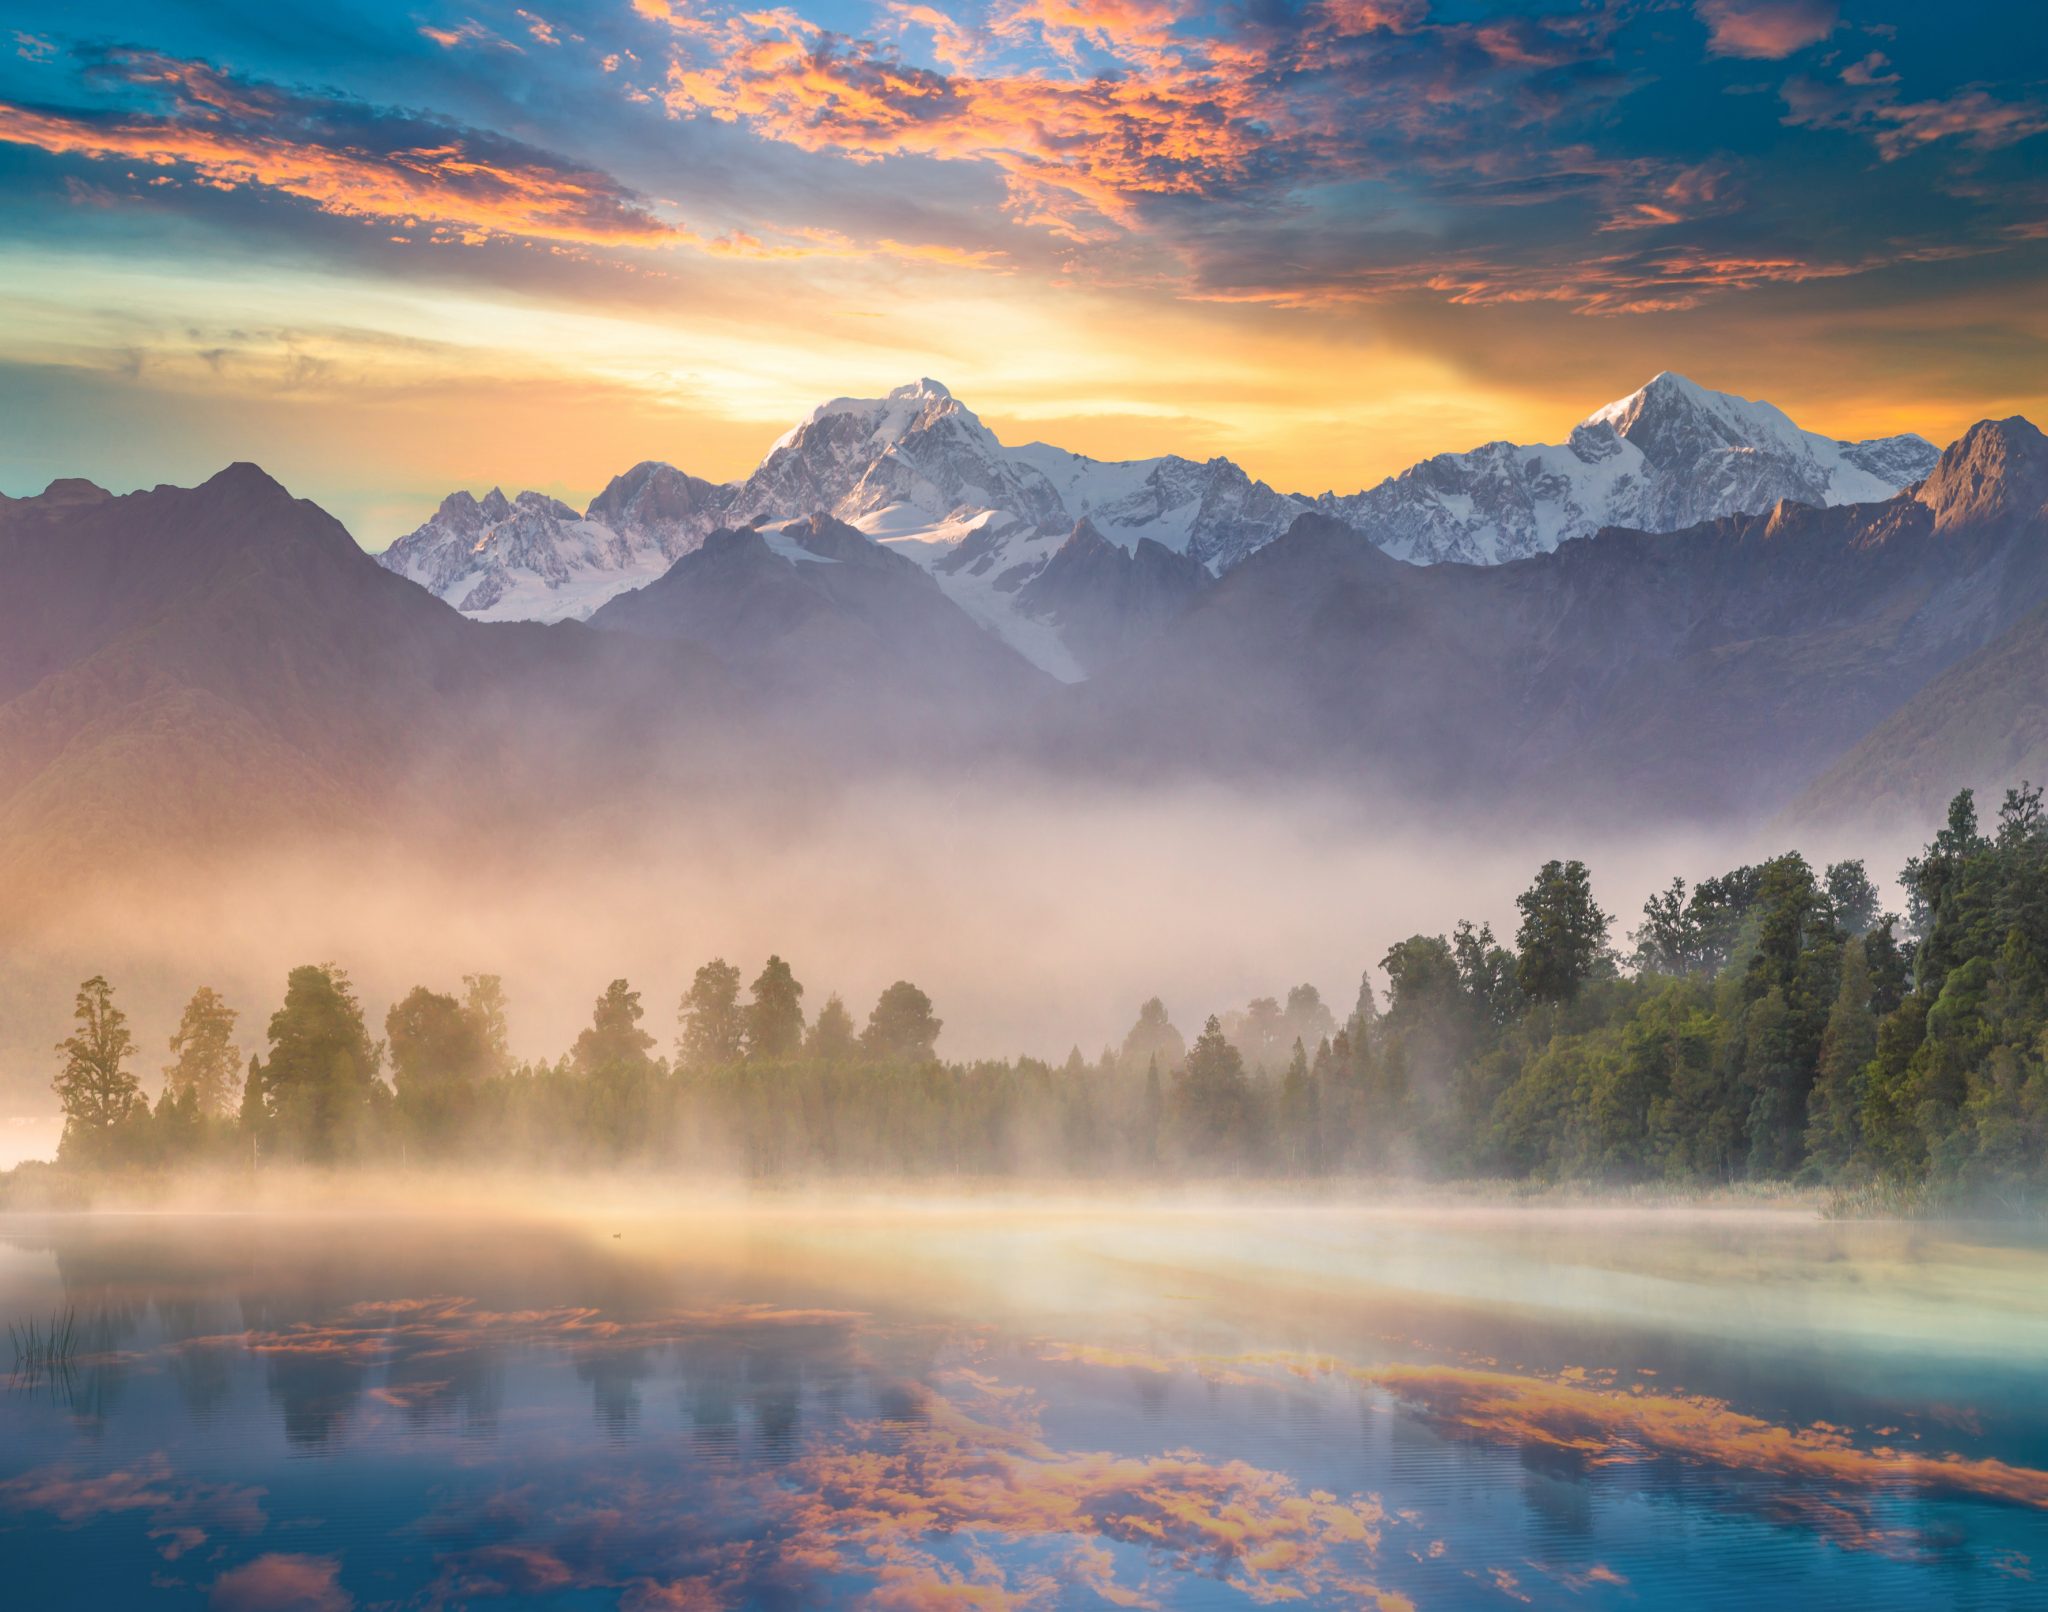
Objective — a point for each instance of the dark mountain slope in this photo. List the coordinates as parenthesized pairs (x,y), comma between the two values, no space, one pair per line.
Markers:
(193,665)
(1105,599)
(820,614)
(1709,672)
(1984,721)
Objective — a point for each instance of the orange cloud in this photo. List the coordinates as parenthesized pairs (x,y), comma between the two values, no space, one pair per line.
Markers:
(1375,16)
(444,188)
(1765,29)
(1069,148)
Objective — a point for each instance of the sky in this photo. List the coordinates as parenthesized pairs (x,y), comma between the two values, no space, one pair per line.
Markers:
(390,249)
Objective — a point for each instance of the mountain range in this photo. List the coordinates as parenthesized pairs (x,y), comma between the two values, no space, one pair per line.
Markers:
(215,665)
(919,471)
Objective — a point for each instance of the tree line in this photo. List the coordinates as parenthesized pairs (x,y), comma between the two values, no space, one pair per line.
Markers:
(1770,1024)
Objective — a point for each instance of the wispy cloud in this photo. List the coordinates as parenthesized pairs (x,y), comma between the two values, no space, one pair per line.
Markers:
(1866,98)
(343,157)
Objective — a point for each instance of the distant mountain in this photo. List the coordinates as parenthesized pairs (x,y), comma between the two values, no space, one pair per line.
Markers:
(917,468)
(184,667)
(200,666)
(1661,459)
(814,608)
(1983,722)
(533,558)
(1708,674)
(1105,600)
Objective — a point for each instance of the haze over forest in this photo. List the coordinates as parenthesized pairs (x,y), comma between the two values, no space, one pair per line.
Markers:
(1278,764)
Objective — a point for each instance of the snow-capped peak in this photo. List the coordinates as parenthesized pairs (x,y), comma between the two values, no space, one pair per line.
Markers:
(917,467)
(1669,455)
(888,417)
(1674,417)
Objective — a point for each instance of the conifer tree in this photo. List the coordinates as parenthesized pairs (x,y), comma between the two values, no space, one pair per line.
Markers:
(205,1060)
(775,1018)
(713,1025)
(94,1085)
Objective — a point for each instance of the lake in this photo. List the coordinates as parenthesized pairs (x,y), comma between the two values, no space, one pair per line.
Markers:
(798,1402)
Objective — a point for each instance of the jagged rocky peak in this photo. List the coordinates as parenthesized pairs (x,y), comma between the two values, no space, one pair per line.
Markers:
(1998,469)
(662,500)
(918,470)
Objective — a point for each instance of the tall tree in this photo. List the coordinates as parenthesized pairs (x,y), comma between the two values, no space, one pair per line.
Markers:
(614,1044)
(902,1028)
(1834,1127)
(1309,1019)
(1152,1039)
(1298,1116)
(321,1079)
(1852,898)
(204,1058)
(775,1017)
(93,1084)
(1562,941)
(1364,1012)
(832,1039)
(713,1027)
(1487,971)
(441,1055)
(484,996)
(1214,1103)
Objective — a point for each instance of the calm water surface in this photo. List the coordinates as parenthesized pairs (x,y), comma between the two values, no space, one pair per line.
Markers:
(959,1405)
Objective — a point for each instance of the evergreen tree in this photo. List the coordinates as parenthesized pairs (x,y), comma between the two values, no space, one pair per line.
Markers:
(1152,1113)
(901,1029)
(320,1082)
(1562,942)
(831,1040)
(775,1017)
(483,995)
(1775,1079)
(1852,898)
(1834,1130)
(94,1086)
(1364,1012)
(713,1026)
(1488,974)
(205,1060)
(614,1043)
(254,1112)
(441,1054)
(1259,1033)
(1216,1112)
(612,1057)
(1305,1018)
(1669,941)
(1298,1116)
(1153,1040)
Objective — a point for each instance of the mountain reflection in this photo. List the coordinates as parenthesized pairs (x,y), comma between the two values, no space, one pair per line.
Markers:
(334,1412)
